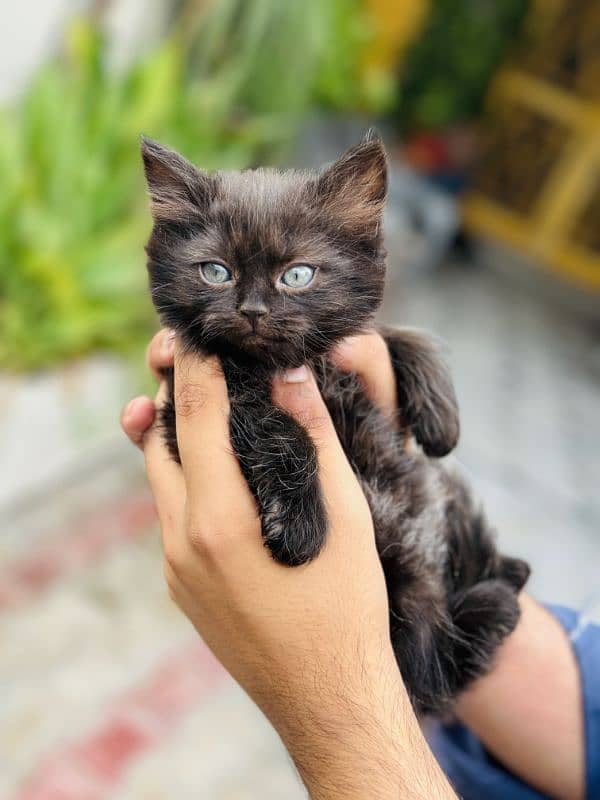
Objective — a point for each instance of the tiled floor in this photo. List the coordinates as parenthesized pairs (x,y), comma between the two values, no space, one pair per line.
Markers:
(108,695)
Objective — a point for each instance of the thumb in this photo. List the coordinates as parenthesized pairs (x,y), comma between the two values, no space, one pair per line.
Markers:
(296,392)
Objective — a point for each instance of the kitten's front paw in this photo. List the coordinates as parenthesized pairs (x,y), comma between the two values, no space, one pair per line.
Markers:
(426,397)
(295,526)
(166,417)
(279,460)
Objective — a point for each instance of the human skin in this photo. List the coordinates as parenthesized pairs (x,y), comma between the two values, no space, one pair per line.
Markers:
(311,644)
(528,710)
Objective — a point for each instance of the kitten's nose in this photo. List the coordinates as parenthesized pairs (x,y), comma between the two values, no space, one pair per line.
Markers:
(254,310)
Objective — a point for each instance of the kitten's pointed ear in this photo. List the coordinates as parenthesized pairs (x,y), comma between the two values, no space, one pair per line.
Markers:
(355,186)
(178,191)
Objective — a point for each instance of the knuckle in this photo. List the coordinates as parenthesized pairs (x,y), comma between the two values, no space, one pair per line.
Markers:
(174,560)
(200,540)
(212,367)
(319,423)
(190,399)
(313,421)
(210,545)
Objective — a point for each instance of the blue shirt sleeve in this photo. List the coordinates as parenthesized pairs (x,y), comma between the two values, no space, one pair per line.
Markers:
(475,774)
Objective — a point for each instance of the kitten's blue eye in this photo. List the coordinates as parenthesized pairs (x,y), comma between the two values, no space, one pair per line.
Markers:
(214,273)
(298,276)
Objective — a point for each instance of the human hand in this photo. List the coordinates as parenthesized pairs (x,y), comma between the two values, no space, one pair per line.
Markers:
(311,644)
(365,355)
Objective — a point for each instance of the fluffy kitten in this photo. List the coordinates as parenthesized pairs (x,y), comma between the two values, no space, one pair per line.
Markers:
(270,269)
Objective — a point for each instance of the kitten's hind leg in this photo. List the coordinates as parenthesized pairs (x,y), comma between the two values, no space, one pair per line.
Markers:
(483,616)
(279,461)
(426,397)
(514,571)
(482,586)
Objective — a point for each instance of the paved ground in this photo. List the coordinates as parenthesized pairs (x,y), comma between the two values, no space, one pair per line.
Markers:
(107,692)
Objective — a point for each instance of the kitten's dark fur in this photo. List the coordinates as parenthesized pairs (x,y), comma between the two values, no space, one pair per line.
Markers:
(452,595)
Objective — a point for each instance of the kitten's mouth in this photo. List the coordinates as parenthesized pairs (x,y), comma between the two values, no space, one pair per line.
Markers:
(264,347)
(260,338)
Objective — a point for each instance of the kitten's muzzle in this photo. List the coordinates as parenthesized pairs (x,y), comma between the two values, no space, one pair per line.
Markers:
(254,311)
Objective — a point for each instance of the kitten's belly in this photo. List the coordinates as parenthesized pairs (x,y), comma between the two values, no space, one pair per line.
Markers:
(407,492)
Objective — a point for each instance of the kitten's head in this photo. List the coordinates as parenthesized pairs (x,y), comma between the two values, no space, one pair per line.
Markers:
(277,266)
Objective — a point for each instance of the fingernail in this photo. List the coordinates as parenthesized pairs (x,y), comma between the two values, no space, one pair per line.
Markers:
(296,375)
(168,345)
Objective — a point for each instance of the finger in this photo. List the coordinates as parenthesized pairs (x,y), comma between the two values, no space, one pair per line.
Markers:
(165,478)
(137,416)
(301,398)
(368,357)
(210,467)
(161,351)
(296,392)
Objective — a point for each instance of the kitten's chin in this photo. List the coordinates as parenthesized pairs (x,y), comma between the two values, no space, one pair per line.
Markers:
(273,352)
(277,353)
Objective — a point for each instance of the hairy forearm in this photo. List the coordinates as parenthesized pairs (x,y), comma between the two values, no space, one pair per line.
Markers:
(527,711)
(365,742)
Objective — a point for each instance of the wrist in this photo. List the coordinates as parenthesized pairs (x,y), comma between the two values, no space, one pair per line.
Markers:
(345,743)
(357,736)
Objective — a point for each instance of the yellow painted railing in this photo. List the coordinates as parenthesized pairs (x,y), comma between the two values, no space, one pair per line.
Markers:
(549,231)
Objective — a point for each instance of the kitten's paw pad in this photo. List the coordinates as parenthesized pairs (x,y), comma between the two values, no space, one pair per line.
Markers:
(294,531)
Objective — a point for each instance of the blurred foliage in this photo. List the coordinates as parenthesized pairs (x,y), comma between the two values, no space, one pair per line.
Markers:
(449,67)
(224,89)
(73,215)
(291,56)
(229,85)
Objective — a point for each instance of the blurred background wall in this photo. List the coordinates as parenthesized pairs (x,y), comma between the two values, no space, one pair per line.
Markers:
(491,113)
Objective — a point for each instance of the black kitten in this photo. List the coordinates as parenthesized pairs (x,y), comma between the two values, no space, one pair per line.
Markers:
(269,270)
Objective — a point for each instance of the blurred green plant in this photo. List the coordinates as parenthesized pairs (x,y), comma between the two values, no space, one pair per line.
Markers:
(225,87)
(448,68)
(291,56)
(73,214)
